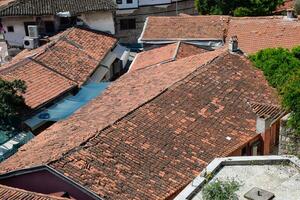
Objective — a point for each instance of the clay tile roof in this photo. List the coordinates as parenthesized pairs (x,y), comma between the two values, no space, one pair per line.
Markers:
(288,4)
(154,151)
(42,83)
(256,33)
(9,193)
(188,28)
(164,54)
(52,7)
(119,99)
(266,110)
(67,61)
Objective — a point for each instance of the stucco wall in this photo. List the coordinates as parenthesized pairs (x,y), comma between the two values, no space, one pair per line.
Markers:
(101,21)
(140,15)
(289,142)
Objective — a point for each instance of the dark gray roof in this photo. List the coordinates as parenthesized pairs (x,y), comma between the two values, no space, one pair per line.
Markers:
(52,7)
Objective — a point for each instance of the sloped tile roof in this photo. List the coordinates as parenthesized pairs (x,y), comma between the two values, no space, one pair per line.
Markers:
(157,149)
(52,7)
(9,193)
(67,61)
(165,54)
(256,33)
(42,83)
(119,99)
(188,28)
(288,4)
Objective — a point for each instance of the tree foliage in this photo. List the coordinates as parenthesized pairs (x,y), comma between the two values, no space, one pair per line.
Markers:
(282,70)
(220,190)
(297,6)
(11,102)
(237,7)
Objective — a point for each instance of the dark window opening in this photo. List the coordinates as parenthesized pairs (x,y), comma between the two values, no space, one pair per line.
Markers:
(126,24)
(119,1)
(26,24)
(244,151)
(10,29)
(49,27)
(129,1)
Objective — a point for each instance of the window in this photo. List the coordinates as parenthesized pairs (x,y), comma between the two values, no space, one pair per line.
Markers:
(129,1)
(10,29)
(49,27)
(119,2)
(126,24)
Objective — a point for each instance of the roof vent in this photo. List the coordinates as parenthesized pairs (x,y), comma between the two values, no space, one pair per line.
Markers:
(259,194)
(290,15)
(233,44)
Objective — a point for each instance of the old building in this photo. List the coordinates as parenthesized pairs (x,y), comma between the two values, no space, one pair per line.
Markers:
(161,125)
(253,33)
(51,17)
(132,14)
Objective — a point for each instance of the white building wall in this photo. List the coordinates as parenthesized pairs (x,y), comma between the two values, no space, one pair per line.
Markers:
(15,38)
(101,21)
(153,2)
(125,5)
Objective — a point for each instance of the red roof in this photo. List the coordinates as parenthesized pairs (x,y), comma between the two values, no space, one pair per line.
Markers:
(256,33)
(164,54)
(42,84)
(185,27)
(9,193)
(65,62)
(119,99)
(288,4)
(124,147)
(157,149)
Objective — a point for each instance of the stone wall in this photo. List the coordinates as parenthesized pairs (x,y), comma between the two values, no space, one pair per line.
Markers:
(289,143)
(140,15)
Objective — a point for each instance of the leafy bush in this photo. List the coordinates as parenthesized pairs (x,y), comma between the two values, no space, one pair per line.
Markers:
(282,70)
(297,6)
(237,7)
(221,190)
(11,102)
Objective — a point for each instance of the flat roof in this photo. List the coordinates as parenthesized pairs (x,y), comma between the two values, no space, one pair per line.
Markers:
(276,174)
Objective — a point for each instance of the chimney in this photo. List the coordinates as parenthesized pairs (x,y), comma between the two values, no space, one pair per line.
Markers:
(233,44)
(263,122)
(290,14)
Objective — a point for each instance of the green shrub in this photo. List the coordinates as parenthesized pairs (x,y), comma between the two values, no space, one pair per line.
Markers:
(221,190)
(281,68)
(297,6)
(241,12)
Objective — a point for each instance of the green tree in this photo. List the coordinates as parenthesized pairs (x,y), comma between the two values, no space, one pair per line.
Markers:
(11,102)
(221,190)
(237,7)
(282,70)
(297,6)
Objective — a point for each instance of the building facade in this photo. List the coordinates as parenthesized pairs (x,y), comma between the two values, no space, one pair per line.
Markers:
(132,14)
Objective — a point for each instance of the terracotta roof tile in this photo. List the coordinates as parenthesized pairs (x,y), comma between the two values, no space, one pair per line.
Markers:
(42,83)
(155,150)
(50,7)
(65,62)
(196,27)
(257,33)
(167,53)
(9,193)
(118,100)
(288,4)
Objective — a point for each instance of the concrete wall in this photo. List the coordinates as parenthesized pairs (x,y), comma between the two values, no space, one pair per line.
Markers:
(140,15)
(289,142)
(15,38)
(101,21)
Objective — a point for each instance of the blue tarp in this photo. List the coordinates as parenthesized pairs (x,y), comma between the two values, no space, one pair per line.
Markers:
(66,107)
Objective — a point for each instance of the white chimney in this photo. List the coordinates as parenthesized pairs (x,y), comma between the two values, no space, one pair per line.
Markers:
(263,123)
(290,15)
(233,44)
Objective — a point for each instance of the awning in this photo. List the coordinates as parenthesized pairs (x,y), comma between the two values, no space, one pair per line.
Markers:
(66,107)
(11,146)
